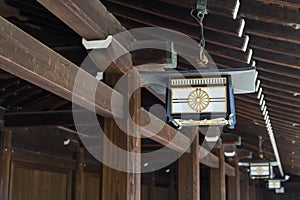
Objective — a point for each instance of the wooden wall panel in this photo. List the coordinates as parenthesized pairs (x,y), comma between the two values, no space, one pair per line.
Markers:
(91,186)
(144,192)
(33,184)
(161,193)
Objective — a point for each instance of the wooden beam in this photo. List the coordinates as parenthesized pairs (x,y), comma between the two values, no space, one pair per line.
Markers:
(243,154)
(229,148)
(5,163)
(113,59)
(208,159)
(189,171)
(42,159)
(31,62)
(229,170)
(230,138)
(87,18)
(180,142)
(123,185)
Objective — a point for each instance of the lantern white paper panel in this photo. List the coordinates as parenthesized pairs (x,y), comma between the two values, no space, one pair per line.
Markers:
(273,184)
(259,170)
(217,100)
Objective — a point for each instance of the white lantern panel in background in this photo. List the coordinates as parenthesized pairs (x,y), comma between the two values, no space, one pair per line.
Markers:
(259,170)
(274,184)
(199,100)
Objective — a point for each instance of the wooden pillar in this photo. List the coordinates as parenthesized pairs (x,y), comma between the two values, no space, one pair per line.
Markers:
(118,184)
(237,180)
(218,179)
(5,163)
(172,189)
(189,170)
(231,188)
(233,184)
(252,191)
(245,188)
(151,186)
(79,174)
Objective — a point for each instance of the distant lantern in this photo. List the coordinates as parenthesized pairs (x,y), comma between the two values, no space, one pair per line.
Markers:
(274,184)
(260,170)
(279,190)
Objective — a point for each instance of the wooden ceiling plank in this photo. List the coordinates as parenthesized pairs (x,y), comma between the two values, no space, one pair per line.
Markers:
(13,91)
(41,102)
(285,125)
(275,46)
(278,69)
(274,31)
(146,10)
(284,108)
(255,109)
(211,36)
(221,7)
(23,96)
(275,58)
(271,107)
(270,83)
(288,3)
(268,13)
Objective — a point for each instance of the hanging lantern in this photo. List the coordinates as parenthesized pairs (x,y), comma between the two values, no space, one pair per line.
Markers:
(260,170)
(274,184)
(195,101)
(279,190)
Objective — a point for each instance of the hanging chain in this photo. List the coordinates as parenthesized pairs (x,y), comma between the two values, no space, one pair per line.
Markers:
(260,141)
(202,59)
